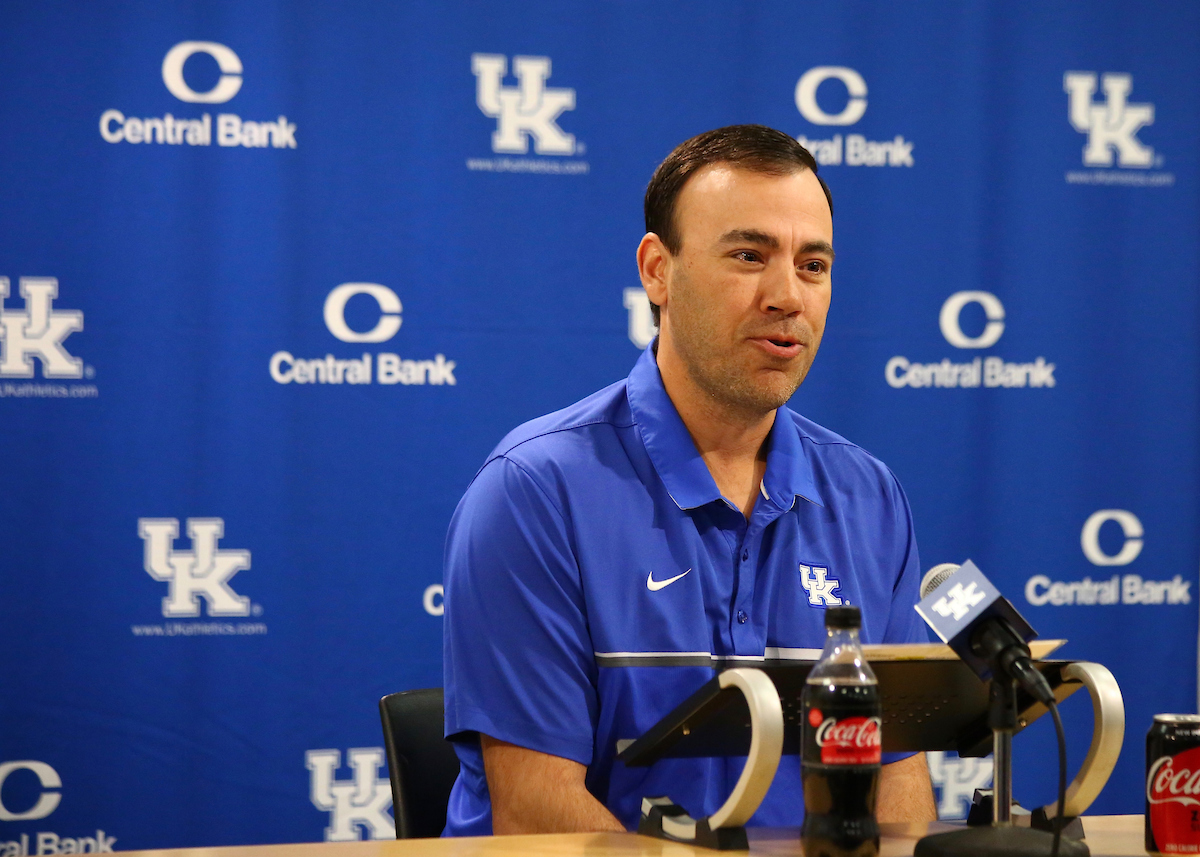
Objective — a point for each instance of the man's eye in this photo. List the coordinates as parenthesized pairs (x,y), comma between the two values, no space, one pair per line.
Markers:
(747,256)
(815,266)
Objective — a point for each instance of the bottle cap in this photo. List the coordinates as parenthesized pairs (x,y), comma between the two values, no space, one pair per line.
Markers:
(843,616)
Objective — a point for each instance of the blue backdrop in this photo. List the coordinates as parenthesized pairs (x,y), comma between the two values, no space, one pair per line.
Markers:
(280,275)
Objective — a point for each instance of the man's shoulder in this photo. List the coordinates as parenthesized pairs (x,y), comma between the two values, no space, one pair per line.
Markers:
(834,454)
(573,427)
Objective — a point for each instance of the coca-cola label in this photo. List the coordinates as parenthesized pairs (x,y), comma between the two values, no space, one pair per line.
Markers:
(1173,798)
(849,741)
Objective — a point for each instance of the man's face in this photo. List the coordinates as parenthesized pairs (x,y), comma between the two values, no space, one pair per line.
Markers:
(748,292)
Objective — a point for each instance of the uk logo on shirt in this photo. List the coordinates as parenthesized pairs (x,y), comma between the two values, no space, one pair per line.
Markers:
(819,585)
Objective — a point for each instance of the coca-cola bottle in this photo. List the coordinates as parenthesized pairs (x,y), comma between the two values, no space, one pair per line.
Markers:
(840,750)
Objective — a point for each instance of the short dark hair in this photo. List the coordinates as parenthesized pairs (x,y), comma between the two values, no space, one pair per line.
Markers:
(750,147)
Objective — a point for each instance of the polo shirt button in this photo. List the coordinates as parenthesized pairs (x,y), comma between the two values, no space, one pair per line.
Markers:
(742,617)
(745,555)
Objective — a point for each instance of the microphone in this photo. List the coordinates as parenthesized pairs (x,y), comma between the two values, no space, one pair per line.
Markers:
(936,575)
(969,614)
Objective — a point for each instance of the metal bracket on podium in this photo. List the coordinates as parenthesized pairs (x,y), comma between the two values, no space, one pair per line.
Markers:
(996,828)
(1108,732)
(724,829)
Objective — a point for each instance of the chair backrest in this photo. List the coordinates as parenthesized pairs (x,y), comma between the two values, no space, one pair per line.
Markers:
(421,763)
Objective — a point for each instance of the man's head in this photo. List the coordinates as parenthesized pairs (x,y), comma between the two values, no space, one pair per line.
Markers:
(756,148)
(737,261)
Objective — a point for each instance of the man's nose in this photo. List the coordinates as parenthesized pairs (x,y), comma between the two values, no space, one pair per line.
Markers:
(783,290)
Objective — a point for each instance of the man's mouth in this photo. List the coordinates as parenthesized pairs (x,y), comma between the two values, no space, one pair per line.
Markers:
(779,346)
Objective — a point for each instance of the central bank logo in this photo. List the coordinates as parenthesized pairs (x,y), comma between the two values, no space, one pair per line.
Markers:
(389,312)
(199,574)
(1131,529)
(527,111)
(1112,126)
(844,92)
(382,306)
(1129,588)
(230,129)
(433,600)
(227,84)
(856,95)
(358,804)
(950,319)
(48,798)
(986,326)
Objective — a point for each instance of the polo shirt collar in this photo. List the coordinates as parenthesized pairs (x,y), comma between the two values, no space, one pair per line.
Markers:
(789,473)
(678,463)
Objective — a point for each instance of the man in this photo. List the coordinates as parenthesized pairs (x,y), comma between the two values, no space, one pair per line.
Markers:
(609,555)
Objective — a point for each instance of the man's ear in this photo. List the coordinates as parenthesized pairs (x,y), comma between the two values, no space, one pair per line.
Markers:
(653,260)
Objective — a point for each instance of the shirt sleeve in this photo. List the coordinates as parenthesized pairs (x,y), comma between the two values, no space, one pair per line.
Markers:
(905,625)
(519,664)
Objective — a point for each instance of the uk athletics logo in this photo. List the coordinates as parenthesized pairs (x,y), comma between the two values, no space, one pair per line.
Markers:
(34,336)
(528,111)
(641,328)
(1112,126)
(200,573)
(38,331)
(819,585)
(958,602)
(357,804)
(955,780)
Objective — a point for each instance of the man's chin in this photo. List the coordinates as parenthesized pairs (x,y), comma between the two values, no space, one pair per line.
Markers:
(762,398)
(778,387)
(752,391)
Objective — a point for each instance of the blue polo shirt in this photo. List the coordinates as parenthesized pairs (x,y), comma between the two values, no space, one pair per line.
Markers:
(594,540)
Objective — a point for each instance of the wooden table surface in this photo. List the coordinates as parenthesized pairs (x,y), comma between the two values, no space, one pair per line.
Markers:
(1106,836)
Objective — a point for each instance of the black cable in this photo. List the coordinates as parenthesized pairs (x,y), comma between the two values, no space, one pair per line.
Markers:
(1062,778)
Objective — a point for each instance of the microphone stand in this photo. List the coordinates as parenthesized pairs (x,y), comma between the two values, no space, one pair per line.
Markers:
(1002,839)
(1002,717)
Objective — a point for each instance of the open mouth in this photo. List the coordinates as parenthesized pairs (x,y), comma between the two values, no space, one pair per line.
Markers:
(779,346)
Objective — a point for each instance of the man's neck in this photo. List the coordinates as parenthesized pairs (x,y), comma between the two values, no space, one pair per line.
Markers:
(731,442)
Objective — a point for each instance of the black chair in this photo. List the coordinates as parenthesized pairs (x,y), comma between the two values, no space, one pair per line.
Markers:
(421,763)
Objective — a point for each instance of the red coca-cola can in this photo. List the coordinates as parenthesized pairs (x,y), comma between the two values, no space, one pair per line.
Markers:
(1173,784)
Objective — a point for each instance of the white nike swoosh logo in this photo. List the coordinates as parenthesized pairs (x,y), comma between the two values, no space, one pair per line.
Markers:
(655,585)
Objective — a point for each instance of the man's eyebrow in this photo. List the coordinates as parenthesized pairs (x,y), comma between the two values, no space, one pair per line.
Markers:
(750,236)
(818,247)
(764,239)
